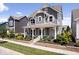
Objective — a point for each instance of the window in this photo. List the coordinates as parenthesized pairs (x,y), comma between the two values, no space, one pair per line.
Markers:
(46,19)
(51,18)
(11,23)
(40,18)
(32,21)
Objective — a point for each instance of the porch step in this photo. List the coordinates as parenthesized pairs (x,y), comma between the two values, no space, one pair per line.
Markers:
(35,40)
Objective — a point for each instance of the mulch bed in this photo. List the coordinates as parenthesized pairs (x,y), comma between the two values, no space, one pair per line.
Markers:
(53,45)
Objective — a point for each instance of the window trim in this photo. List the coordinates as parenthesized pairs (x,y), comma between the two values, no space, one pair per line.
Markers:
(11,23)
(52,18)
(40,17)
(32,21)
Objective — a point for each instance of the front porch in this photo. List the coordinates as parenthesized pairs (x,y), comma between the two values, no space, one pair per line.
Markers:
(41,30)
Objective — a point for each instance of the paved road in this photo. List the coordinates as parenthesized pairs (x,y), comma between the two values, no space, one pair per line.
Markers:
(5,51)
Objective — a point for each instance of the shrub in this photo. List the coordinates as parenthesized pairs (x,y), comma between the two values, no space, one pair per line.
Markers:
(28,38)
(77,44)
(3,35)
(19,37)
(11,34)
(47,38)
(35,37)
(64,38)
(67,37)
(59,39)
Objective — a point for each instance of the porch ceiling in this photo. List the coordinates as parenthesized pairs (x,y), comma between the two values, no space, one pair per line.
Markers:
(44,25)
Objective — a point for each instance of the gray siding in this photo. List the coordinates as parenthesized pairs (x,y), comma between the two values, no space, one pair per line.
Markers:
(36,19)
(20,24)
(51,11)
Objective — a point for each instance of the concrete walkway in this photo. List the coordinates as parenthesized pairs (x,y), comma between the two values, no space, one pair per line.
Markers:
(44,48)
(5,51)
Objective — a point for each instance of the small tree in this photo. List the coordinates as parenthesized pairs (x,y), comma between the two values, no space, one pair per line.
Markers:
(12,34)
(65,37)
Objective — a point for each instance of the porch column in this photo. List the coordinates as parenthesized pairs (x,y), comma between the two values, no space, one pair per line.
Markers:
(41,32)
(32,33)
(55,33)
(24,32)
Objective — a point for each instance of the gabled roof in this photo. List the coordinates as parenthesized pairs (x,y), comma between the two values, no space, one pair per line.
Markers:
(3,23)
(39,11)
(56,8)
(18,17)
(75,14)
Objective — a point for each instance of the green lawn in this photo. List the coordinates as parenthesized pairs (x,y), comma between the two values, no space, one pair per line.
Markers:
(26,50)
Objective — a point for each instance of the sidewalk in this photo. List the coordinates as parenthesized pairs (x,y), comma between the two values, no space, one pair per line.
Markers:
(6,51)
(44,48)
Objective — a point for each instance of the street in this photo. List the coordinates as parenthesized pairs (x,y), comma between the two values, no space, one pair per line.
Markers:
(5,51)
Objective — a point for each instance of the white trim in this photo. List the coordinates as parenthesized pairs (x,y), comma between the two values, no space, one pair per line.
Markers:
(39,12)
(24,32)
(39,17)
(14,26)
(55,33)
(77,19)
(32,33)
(52,18)
(77,30)
(41,32)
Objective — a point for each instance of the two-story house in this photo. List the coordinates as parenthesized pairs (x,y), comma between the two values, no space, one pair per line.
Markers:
(45,21)
(16,23)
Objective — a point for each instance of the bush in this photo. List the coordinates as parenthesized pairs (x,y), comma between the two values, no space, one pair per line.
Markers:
(59,39)
(64,38)
(11,34)
(77,44)
(19,37)
(28,38)
(67,37)
(35,37)
(3,35)
(47,39)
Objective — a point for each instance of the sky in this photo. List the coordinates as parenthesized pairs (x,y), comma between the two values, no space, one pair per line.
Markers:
(26,9)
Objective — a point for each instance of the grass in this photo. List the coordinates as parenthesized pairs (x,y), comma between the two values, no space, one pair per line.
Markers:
(26,50)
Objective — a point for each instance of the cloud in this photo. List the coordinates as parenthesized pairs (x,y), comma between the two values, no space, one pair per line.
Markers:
(18,13)
(3,20)
(67,21)
(3,7)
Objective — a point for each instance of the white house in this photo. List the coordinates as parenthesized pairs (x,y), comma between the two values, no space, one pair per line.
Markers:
(75,23)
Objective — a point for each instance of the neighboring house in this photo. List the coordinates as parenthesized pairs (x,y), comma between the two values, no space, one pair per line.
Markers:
(75,23)
(16,23)
(45,21)
(3,27)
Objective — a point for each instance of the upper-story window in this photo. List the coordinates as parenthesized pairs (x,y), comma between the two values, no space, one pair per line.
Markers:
(50,18)
(11,23)
(46,19)
(40,18)
(33,21)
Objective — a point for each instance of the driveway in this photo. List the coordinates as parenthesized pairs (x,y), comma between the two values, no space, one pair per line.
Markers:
(5,51)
